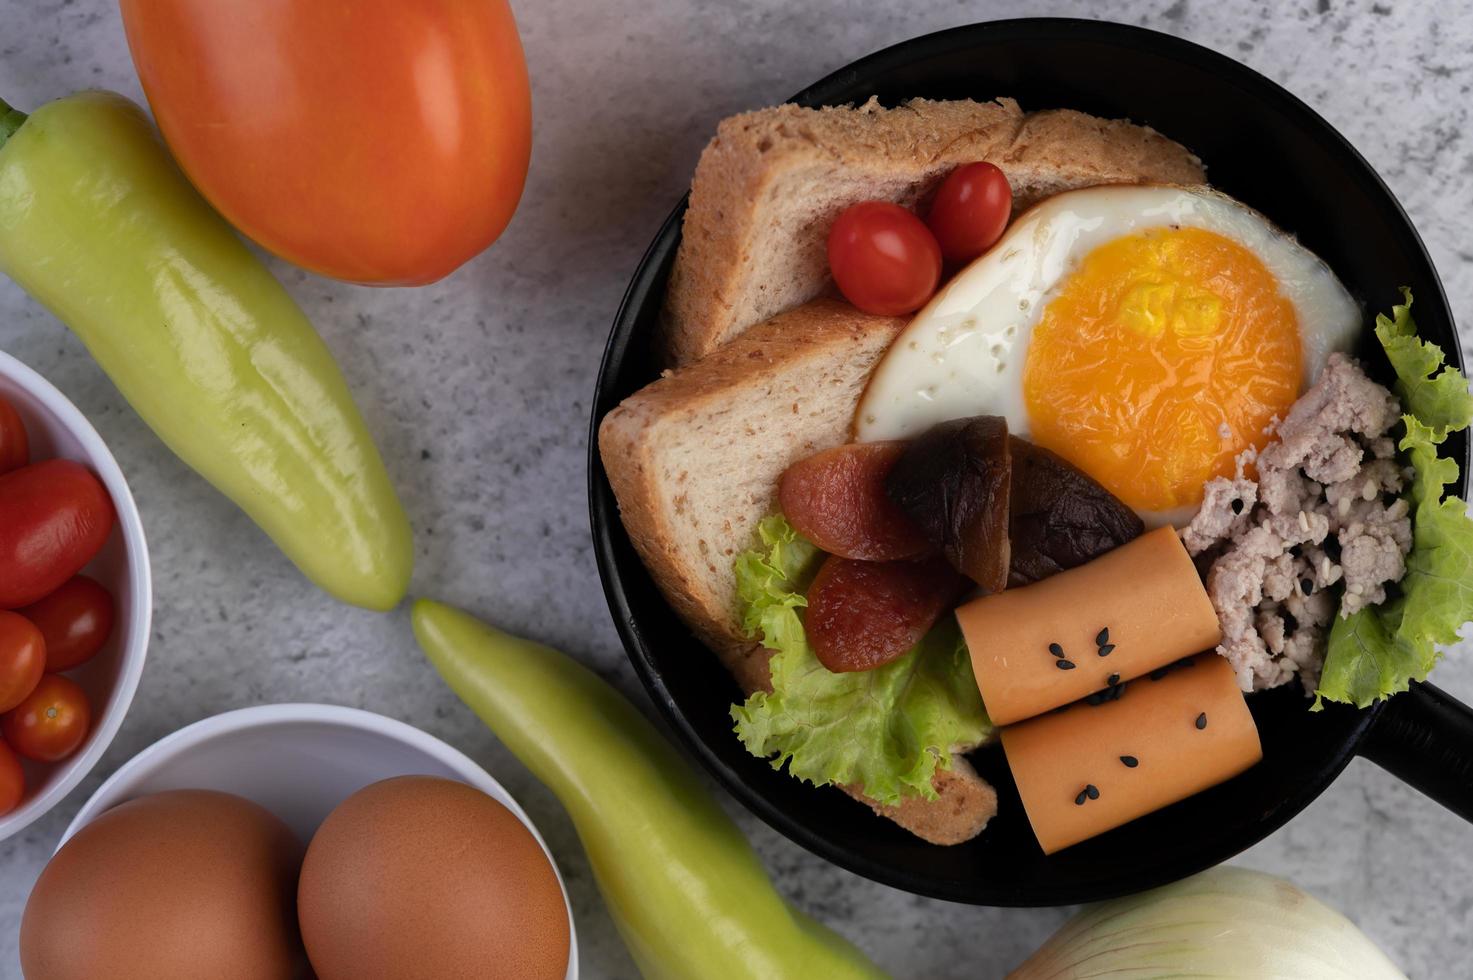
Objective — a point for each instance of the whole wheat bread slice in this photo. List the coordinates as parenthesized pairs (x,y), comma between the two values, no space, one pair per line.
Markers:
(769,185)
(694,460)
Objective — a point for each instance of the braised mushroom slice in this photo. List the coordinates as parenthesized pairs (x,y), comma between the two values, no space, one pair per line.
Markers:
(954,481)
(1060,516)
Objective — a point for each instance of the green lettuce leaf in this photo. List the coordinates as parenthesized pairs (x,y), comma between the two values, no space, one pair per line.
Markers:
(1428,388)
(1363,661)
(886,730)
(1437,592)
(1379,651)
(770,583)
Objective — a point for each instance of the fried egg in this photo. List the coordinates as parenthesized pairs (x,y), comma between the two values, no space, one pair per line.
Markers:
(1147,334)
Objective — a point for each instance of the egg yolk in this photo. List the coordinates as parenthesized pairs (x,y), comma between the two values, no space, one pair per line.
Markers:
(1165,355)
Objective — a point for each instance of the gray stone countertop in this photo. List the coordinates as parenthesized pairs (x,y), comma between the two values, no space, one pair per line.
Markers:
(478,390)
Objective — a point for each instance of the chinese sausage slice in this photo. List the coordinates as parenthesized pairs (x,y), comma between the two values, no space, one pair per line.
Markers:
(864,614)
(836,499)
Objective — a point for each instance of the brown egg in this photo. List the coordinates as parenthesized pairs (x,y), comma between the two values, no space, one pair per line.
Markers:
(188,883)
(425,877)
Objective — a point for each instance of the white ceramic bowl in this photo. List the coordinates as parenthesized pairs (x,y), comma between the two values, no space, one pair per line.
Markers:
(299,761)
(58,430)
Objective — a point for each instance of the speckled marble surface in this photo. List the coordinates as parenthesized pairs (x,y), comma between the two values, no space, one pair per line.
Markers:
(478,390)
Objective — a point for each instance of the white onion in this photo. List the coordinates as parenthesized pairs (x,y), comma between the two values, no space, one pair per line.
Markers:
(1224,923)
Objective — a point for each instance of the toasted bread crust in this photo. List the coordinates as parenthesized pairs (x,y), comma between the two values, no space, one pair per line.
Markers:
(965,802)
(770,183)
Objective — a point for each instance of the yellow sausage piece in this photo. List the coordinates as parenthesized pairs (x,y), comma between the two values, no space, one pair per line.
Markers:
(1092,767)
(1122,615)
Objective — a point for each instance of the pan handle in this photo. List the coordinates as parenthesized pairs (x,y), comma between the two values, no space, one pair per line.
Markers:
(1425,738)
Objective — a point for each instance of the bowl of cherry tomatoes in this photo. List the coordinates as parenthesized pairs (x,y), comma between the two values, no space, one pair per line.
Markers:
(75,596)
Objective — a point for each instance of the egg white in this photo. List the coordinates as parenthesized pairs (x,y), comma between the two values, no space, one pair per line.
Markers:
(963,354)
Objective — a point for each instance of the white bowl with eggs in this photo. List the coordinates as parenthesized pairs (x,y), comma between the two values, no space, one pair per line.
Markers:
(57,430)
(300,761)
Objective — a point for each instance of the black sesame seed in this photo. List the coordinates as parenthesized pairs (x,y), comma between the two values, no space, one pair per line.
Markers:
(1112,680)
(1092,792)
(1117,692)
(1064,664)
(1130,761)
(1185,662)
(1079,800)
(1290,624)
(1159,673)
(1055,649)
(1096,699)
(1237,506)
(1107,649)
(1102,637)
(1306,584)
(1201,721)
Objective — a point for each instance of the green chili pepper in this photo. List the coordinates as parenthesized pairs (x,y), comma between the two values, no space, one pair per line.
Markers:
(98,224)
(685,889)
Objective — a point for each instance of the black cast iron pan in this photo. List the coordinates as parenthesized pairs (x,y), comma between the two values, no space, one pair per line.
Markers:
(1262,146)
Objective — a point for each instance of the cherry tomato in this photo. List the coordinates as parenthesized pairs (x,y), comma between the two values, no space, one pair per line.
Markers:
(54,516)
(76,621)
(12,780)
(15,448)
(883,258)
(22,659)
(970,211)
(49,725)
(376,141)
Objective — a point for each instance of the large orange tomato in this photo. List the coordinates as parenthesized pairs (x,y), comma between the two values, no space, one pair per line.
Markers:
(376,141)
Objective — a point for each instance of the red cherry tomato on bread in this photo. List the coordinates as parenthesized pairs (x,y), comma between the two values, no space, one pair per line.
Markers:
(12,780)
(54,516)
(22,659)
(883,258)
(15,448)
(970,211)
(49,725)
(75,620)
